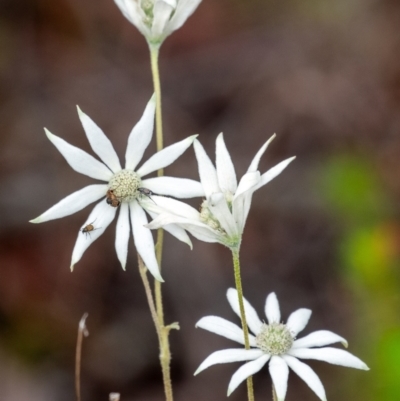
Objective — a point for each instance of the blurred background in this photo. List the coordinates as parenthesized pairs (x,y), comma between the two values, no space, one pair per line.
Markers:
(324,75)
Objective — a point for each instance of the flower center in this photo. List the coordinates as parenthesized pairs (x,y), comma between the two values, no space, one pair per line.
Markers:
(208,218)
(274,339)
(125,184)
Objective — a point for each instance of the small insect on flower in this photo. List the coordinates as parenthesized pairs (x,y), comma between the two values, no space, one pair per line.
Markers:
(112,199)
(146,192)
(89,228)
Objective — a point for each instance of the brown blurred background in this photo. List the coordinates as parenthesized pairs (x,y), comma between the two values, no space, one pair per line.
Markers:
(324,75)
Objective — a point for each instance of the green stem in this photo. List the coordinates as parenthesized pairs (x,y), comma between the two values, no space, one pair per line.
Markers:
(154,52)
(165,354)
(238,284)
(162,333)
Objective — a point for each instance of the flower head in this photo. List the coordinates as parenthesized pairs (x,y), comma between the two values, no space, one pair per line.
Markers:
(156,19)
(276,343)
(125,189)
(223,213)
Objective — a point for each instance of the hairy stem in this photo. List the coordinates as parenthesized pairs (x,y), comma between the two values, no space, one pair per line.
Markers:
(165,354)
(82,332)
(238,284)
(162,333)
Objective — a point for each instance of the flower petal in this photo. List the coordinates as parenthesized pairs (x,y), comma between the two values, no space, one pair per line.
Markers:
(274,171)
(101,217)
(243,197)
(307,374)
(184,10)
(207,171)
(141,134)
(134,14)
(225,169)
(73,203)
(330,355)
(224,328)
(298,320)
(248,181)
(143,239)
(279,371)
(79,160)
(254,164)
(253,321)
(100,144)
(229,355)
(219,208)
(178,232)
(172,206)
(272,311)
(161,12)
(245,371)
(319,339)
(122,234)
(177,187)
(197,229)
(165,157)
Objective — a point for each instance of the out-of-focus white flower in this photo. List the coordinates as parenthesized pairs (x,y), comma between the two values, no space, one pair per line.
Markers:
(156,19)
(126,189)
(276,343)
(223,214)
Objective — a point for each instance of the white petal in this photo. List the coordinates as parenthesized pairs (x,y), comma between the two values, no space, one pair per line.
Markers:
(177,187)
(225,169)
(79,160)
(165,157)
(253,321)
(319,339)
(140,136)
(224,328)
(330,355)
(122,234)
(273,172)
(101,217)
(242,198)
(100,144)
(254,164)
(248,181)
(207,171)
(161,12)
(229,355)
(197,229)
(245,371)
(172,206)
(73,203)
(307,374)
(143,239)
(219,208)
(272,311)
(167,218)
(178,232)
(279,371)
(184,10)
(134,14)
(298,320)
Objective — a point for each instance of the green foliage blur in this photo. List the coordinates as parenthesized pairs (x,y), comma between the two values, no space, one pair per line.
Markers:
(368,254)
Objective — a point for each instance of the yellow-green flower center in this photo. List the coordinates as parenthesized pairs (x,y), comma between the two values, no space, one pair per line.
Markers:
(274,339)
(125,184)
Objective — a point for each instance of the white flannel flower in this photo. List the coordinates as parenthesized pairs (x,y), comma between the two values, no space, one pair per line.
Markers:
(125,189)
(276,343)
(223,213)
(156,19)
